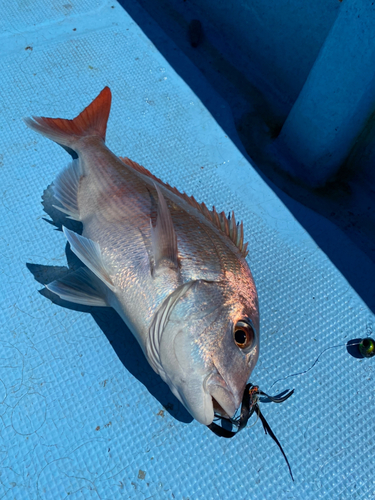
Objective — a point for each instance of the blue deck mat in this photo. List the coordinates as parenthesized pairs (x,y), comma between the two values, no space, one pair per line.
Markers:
(82,413)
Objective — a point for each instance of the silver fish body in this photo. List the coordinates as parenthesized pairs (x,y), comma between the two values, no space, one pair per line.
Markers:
(174,271)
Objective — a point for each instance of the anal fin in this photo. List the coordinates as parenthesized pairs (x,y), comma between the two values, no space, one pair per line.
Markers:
(80,287)
(65,189)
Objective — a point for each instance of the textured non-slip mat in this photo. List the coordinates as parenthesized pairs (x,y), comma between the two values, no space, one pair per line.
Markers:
(82,413)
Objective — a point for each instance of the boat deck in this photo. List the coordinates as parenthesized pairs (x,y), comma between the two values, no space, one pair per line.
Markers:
(82,414)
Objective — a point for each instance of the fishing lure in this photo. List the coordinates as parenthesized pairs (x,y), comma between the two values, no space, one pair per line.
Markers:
(367,347)
(249,406)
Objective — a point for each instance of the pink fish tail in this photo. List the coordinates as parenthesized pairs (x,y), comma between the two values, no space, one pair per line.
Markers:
(91,122)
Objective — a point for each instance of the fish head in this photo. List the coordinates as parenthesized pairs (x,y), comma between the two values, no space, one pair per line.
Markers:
(208,347)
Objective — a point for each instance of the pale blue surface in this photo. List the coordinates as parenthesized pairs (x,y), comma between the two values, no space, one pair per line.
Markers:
(82,412)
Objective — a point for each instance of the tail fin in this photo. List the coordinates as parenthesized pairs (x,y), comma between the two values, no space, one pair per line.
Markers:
(91,122)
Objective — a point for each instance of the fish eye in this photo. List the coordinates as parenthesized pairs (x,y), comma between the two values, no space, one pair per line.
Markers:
(243,334)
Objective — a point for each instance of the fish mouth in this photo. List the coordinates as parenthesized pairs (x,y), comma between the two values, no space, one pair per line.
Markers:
(225,400)
(218,409)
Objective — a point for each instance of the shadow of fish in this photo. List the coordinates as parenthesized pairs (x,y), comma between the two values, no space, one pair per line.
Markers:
(174,271)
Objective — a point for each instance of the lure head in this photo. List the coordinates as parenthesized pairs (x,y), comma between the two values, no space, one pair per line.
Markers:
(207,346)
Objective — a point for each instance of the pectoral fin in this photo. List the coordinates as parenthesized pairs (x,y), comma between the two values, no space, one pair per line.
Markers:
(80,287)
(163,236)
(89,253)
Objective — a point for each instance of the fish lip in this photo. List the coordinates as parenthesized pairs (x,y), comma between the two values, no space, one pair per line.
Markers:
(225,403)
(218,409)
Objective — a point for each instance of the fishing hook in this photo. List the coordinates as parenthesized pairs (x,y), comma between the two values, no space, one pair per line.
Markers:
(250,405)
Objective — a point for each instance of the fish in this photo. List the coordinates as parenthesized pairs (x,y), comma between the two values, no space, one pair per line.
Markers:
(175,271)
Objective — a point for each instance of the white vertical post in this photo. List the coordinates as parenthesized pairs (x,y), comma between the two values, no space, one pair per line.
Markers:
(337,98)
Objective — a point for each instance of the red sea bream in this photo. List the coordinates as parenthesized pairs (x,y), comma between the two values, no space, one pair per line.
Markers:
(174,271)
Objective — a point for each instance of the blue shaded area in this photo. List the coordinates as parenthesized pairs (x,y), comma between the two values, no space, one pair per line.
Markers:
(349,205)
(82,414)
(337,99)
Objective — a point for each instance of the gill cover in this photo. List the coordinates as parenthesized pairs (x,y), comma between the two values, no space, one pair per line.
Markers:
(197,357)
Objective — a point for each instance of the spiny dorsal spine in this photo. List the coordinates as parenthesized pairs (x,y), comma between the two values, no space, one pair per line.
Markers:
(226,224)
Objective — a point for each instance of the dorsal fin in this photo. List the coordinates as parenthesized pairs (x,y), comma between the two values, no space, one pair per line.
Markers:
(220,220)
